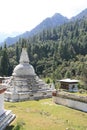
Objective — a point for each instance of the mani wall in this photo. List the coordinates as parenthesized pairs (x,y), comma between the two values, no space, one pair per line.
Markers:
(70,100)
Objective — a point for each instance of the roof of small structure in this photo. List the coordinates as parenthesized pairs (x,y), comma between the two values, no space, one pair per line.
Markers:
(69,80)
(1,77)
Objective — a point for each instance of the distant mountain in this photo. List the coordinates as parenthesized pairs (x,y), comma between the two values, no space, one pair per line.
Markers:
(56,20)
(80,15)
(3,35)
(53,21)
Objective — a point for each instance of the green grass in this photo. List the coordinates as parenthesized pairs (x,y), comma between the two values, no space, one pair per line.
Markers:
(46,115)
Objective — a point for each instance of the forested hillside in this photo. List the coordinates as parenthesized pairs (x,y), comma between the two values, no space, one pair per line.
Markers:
(59,52)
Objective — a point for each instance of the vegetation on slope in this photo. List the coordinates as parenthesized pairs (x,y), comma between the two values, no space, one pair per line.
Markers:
(57,53)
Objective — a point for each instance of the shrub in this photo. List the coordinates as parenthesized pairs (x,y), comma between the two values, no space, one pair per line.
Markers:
(48,81)
(19,126)
(82,91)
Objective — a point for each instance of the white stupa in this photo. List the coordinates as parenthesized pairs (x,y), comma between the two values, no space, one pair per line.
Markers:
(24,84)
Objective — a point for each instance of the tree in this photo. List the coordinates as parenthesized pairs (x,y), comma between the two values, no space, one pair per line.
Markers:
(68,74)
(84,75)
(17,54)
(4,63)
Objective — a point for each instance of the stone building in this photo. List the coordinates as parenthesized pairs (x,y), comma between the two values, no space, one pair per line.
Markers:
(24,84)
(6,116)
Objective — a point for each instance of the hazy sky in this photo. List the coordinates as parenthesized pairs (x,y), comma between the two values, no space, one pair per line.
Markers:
(24,15)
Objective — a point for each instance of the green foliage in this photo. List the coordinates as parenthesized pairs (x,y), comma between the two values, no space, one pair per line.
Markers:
(17,54)
(82,91)
(47,80)
(4,63)
(19,126)
(57,53)
(68,74)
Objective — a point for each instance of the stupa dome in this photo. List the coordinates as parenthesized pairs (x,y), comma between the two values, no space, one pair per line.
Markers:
(24,68)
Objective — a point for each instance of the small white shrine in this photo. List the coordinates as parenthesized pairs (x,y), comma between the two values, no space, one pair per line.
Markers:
(69,84)
(24,84)
(6,116)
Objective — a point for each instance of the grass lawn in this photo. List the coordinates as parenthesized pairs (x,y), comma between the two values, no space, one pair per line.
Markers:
(46,115)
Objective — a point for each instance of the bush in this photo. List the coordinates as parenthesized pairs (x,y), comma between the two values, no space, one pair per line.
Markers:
(48,81)
(82,91)
(19,126)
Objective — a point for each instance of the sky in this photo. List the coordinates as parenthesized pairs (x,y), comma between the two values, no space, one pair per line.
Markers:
(24,15)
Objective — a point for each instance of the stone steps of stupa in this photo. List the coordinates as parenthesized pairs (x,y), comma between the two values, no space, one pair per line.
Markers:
(6,118)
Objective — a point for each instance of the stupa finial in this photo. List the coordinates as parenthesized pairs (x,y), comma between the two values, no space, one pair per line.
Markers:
(24,56)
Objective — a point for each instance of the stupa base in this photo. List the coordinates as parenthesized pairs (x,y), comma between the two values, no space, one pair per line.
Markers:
(24,96)
(6,118)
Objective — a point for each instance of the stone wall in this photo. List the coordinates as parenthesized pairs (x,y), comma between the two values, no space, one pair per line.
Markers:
(71,100)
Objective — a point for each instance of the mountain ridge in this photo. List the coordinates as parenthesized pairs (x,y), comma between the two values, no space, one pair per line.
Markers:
(80,15)
(56,20)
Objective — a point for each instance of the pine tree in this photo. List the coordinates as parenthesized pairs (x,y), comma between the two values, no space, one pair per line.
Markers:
(17,54)
(4,63)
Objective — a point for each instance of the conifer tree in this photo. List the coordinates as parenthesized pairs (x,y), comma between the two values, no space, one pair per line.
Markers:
(4,63)
(17,54)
